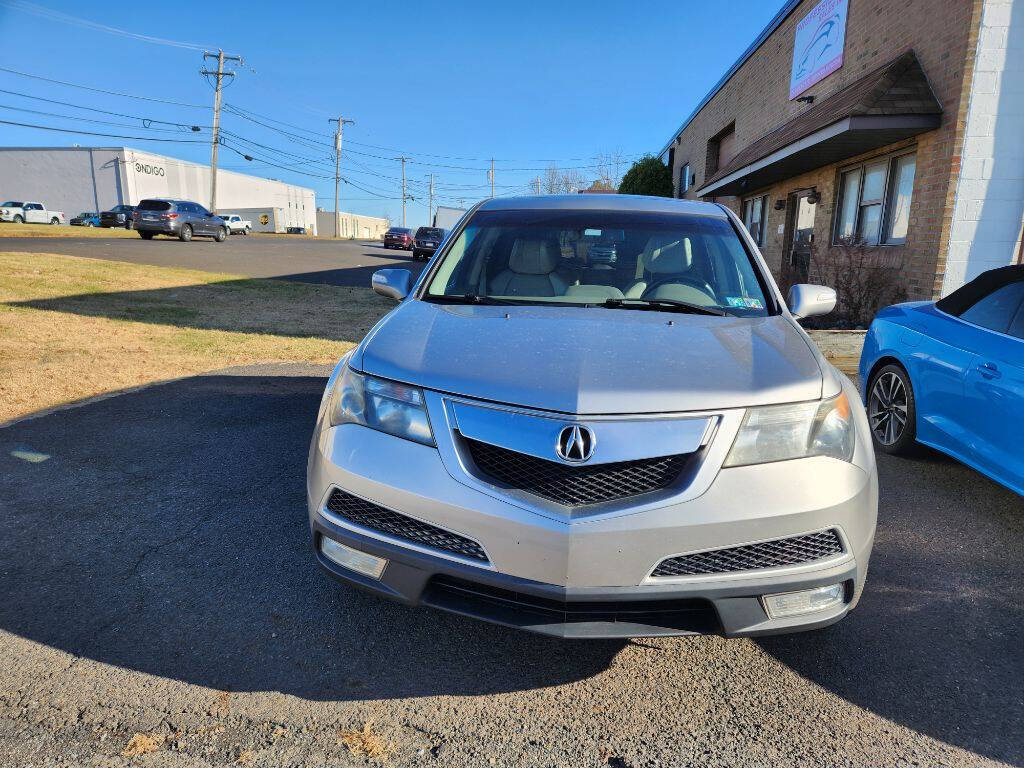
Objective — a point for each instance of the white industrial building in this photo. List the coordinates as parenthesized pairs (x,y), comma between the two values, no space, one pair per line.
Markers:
(75,179)
(352,225)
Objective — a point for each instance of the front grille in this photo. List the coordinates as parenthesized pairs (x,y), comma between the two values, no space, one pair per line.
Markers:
(767,554)
(575,486)
(525,610)
(377,518)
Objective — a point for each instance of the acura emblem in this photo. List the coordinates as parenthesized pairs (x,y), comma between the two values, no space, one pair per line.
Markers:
(575,444)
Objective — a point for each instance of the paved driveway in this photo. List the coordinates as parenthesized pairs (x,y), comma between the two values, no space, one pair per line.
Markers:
(157,579)
(336,262)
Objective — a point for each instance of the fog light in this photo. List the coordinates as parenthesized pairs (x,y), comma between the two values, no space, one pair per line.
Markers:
(353,559)
(804,601)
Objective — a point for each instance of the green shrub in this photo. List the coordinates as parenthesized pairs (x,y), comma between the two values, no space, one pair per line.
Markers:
(648,176)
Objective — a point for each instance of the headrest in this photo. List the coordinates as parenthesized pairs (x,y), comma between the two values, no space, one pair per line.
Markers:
(534,257)
(667,257)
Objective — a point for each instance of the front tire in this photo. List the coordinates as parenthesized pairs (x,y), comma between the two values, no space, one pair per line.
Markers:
(892,411)
(128,224)
(18,220)
(245,231)
(146,235)
(222,235)
(186,233)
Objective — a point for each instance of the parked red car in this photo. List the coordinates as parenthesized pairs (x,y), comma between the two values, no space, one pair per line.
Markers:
(399,237)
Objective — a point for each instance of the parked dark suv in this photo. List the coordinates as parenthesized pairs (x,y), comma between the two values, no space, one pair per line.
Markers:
(427,240)
(118,216)
(178,218)
(398,237)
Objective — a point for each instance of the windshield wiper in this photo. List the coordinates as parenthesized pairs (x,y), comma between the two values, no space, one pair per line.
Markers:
(466,298)
(665,305)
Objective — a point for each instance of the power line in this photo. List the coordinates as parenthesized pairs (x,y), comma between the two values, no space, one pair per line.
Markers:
(102,90)
(105,135)
(100,111)
(95,120)
(47,13)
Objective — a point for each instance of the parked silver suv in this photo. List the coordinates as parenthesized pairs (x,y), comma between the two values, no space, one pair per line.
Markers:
(543,437)
(182,219)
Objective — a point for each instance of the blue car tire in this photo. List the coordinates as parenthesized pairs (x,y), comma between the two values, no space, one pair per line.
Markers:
(892,414)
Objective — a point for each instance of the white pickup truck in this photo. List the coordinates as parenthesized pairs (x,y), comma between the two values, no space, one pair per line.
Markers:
(236,224)
(30,213)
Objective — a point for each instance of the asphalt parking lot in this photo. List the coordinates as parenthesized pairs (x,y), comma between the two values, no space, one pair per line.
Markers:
(306,259)
(157,580)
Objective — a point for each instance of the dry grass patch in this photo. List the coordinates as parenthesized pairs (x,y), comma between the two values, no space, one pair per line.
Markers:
(72,328)
(142,744)
(61,230)
(365,742)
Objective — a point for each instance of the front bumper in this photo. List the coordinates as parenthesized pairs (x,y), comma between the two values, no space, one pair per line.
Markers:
(591,576)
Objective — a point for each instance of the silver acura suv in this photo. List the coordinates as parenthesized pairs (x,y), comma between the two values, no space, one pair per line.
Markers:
(546,438)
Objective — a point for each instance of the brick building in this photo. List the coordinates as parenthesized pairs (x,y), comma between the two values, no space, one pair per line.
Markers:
(896,123)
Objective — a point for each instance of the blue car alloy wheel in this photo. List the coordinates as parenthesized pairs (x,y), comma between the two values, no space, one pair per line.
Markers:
(891,411)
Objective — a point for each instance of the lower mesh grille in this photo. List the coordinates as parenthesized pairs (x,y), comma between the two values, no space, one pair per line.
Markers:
(520,609)
(375,517)
(768,554)
(575,486)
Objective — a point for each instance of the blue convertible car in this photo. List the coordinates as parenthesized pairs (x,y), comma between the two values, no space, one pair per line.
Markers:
(950,374)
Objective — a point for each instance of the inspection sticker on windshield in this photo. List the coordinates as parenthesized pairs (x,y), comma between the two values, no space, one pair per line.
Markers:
(743,302)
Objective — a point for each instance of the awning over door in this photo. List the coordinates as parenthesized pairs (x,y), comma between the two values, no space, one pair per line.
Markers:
(888,105)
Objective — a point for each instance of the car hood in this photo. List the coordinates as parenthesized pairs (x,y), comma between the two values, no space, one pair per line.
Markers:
(593,360)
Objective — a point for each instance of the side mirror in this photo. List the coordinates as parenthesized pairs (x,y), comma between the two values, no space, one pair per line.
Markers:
(810,300)
(393,283)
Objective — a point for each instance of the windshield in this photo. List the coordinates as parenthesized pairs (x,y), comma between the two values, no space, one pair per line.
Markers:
(617,259)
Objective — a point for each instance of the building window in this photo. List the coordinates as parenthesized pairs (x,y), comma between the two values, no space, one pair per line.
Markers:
(754,214)
(874,201)
(684,179)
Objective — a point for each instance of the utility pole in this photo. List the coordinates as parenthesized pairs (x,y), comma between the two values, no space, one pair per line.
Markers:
(430,203)
(403,189)
(536,185)
(490,175)
(221,57)
(337,167)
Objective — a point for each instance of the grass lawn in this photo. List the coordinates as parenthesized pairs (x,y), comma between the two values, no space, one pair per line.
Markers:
(72,328)
(61,230)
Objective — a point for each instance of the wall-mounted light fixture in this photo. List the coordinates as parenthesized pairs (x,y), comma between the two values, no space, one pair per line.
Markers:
(814,198)
(780,204)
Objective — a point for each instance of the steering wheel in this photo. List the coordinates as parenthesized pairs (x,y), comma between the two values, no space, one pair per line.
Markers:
(701,285)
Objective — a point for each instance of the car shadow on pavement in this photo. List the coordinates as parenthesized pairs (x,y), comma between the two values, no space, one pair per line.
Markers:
(935,643)
(167,533)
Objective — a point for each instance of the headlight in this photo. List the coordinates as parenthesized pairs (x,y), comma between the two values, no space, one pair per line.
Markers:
(781,432)
(388,406)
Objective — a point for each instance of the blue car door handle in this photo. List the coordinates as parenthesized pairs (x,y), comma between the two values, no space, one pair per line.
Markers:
(989,370)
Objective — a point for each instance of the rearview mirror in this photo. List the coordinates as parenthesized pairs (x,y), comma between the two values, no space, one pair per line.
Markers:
(811,300)
(393,283)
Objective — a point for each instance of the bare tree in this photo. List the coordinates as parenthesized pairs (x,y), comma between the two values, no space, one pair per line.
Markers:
(558,182)
(609,168)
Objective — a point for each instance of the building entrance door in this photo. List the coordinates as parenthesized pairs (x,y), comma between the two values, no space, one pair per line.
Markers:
(799,235)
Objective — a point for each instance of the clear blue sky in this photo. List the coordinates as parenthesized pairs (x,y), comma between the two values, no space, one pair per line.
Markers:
(525,83)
